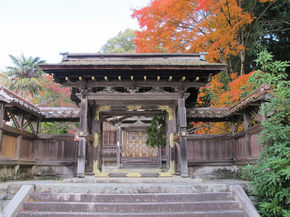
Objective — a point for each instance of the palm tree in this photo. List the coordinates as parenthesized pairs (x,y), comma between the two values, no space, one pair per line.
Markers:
(25,77)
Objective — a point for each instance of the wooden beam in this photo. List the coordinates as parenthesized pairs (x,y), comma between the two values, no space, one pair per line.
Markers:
(194,137)
(134,113)
(138,83)
(62,137)
(127,96)
(10,130)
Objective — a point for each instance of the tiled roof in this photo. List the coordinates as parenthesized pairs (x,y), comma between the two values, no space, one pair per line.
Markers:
(8,96)
(60,112)
(260,93)
(131,59)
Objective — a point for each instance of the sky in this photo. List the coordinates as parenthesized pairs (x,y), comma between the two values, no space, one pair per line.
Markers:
(44,28)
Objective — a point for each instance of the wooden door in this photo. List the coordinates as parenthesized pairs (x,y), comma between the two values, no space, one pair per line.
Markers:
(135,145)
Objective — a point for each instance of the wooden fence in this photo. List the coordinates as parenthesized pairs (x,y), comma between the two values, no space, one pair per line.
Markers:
(227,149)
(26,148)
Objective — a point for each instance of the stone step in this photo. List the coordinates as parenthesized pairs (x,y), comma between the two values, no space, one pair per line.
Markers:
(232,213)
(131,207)
(139,159)
(131,170)
(137,162)
(129,188)
(130,198)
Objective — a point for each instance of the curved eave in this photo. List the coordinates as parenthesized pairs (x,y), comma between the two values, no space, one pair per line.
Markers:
(61,68)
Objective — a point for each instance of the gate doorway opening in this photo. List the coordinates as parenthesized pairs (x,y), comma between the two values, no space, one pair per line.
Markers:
(134,154)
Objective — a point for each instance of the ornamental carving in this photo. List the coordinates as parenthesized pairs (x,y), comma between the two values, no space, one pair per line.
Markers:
(171,140)
(134,107)
(137,175)
(108,90)
(170,172)
(97,172)
(157,90)
(133,89)
(99,109)
(168,109)
(96,140)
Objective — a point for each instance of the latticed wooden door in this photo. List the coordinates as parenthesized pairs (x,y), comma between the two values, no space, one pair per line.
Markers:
(135,145)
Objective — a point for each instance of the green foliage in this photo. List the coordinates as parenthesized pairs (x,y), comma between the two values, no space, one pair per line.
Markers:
(24,77)
(272,72)
(122,43)
(53,128)
(270,30)
(271,175)
(155,132)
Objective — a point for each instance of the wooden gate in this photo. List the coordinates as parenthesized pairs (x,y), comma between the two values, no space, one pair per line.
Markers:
(135,146)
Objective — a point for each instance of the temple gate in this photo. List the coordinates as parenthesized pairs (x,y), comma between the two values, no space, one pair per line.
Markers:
(132,85)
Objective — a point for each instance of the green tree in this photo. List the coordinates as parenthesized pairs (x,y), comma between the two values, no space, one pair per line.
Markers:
(122,43)
(155,132)
(270,30)
(24,78)
(271,175)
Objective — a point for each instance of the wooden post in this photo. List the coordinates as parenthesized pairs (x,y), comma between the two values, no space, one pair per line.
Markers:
(168,149)
(159,157)
(97,131)
(20,136)
(2,112)
(263,115)
(233,129)
(82,137)
(183,136)
(118,145)
(246,118)
(35,125)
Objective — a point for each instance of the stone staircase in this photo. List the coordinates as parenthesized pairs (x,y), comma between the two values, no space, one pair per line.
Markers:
(139,162)
(139,197)
(207,204)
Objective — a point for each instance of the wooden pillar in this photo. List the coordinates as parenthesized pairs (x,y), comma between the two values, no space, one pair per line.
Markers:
(97,131)
(183,136)
(159,157)
(118,145)
(170,132)
(35,125)
(233,129)
(168,148)
(2,112)
(20,136)
(246,118)
(98,137)
(82,137)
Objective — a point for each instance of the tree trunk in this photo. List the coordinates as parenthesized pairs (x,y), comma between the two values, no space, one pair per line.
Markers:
(243,57)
